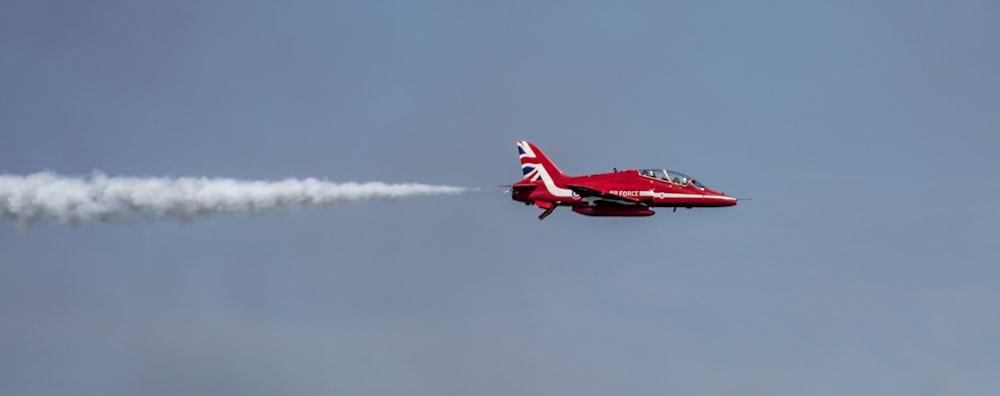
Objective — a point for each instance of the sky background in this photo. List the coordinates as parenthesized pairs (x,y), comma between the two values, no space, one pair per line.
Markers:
(865,132)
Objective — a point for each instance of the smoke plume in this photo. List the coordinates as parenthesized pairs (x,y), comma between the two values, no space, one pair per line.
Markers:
(71,200)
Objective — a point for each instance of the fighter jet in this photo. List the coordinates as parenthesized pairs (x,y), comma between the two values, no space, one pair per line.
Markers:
(619,193)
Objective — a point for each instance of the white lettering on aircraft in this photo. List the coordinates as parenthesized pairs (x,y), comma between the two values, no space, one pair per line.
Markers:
(624,193)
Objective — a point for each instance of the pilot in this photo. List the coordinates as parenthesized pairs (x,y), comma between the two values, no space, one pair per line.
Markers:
(677,180)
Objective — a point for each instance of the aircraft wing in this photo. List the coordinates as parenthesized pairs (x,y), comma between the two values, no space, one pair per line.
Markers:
(608,197)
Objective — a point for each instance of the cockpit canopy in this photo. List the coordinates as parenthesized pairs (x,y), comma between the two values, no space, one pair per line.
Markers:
(674,177)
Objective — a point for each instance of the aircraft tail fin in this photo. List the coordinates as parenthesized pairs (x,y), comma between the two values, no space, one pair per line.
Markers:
(535,164)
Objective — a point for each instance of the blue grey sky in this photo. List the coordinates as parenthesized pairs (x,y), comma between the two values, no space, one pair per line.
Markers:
(865,132)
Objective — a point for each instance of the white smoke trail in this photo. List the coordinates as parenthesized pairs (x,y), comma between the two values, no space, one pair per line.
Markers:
(71,200)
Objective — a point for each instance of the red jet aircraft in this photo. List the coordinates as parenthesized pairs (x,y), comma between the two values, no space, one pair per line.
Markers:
(620,193)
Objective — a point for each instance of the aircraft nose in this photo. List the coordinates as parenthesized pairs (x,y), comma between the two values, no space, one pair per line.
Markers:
(720,198)
(729,201)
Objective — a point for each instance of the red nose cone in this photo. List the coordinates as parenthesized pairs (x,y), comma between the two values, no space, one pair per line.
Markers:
(720,199)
